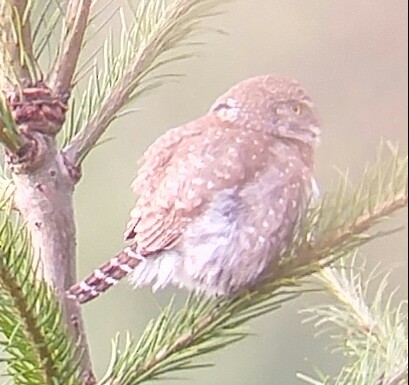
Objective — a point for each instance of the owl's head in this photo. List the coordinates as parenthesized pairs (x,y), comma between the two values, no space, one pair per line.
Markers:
(272,103)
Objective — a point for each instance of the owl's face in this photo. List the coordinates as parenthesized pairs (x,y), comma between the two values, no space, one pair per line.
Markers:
(272,103)
(296,119)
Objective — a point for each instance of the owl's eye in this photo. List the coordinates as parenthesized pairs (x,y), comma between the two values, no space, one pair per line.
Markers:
(296,108)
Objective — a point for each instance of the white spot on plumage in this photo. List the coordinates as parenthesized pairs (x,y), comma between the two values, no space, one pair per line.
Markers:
(111,281)
(198,181)
(183,170)
(114,261)
(191,194)
(130,253)
(222,174)
(179,205)
(171,185)
(88,289)
(210,185)
(231,114)
(127,269)
(231,102)
(163,202)
(209,157)
(197,202)
(99,274)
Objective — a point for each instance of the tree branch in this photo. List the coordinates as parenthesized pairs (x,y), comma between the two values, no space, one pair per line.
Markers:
(316,251)
(44,198)
(70,48)
(31,326)
(178,346)
(15,39)
(16,63)
(168,28)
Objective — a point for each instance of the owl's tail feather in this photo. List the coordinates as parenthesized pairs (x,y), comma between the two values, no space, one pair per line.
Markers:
(107,275)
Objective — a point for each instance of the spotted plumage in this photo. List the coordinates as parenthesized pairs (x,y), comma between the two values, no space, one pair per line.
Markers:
(219,196)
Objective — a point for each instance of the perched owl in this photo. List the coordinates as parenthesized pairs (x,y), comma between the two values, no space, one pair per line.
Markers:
(218,197)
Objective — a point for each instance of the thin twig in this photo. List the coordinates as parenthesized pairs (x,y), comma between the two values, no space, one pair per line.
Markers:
(66,62)
(397,378)
(317,251)
(86,139)
(16,41)
(16,64)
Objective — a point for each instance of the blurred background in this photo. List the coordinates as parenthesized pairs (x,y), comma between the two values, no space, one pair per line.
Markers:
(352,58)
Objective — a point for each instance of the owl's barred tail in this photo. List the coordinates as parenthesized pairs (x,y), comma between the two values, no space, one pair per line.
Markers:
(107,275)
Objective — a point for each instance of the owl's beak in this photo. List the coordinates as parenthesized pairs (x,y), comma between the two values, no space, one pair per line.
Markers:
(309,135)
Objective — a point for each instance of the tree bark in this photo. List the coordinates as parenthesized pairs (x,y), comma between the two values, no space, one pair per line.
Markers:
(44,197)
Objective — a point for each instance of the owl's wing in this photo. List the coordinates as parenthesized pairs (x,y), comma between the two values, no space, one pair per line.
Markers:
(181,173)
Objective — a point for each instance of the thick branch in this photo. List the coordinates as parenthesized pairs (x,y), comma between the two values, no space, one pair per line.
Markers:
(66,62)
(44,198)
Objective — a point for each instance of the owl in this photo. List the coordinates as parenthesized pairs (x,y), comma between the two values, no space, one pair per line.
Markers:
(219,197)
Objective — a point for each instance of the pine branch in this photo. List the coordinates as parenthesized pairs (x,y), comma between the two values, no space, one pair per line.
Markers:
(202,326)
(17,62)
(9,135)
(341,221)
(158,28)
(37,348)
(48,15)
(372,338)
(76,21)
